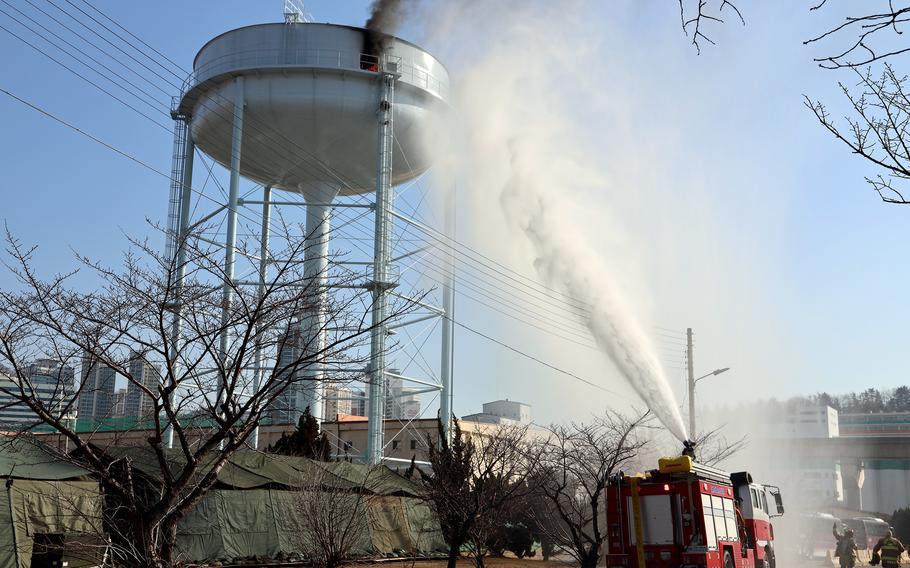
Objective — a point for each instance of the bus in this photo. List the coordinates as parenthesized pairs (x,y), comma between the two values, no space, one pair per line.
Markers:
(815,538)
(867,531)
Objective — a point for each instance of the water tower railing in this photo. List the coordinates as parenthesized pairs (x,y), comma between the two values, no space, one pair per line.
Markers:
(318,58)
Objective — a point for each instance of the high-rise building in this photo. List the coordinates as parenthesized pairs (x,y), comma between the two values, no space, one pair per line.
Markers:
(400,402)
(338,400)
(284,409)
(359,404)
(96,391)
(292,401)
(119,405)
(51,383)
(139,404)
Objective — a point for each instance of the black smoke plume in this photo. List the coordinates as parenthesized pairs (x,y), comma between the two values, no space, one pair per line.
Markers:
(385,15)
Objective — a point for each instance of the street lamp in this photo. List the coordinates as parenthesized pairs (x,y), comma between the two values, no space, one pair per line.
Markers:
(692,396)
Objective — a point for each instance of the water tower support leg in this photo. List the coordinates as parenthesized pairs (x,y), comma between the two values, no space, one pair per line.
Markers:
(314,320)
(263,276)
(186,193)
(448,306)
(230,242)
(382,245)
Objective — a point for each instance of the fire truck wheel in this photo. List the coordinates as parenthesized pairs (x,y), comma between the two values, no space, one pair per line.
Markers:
(769,557)
(728,560)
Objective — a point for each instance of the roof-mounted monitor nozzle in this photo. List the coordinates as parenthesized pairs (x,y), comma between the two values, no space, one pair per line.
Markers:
(689,449)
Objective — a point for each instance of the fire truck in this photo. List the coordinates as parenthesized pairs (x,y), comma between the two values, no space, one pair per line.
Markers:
(685,514)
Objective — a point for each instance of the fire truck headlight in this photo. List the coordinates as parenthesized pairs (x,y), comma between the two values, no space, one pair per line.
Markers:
(666,486)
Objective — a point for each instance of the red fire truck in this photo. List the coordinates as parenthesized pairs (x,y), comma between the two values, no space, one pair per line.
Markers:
(685,514)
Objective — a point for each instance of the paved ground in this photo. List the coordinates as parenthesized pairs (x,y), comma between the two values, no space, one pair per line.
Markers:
(469,563)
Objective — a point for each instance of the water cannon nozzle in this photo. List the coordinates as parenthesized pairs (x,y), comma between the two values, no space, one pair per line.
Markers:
(689,449)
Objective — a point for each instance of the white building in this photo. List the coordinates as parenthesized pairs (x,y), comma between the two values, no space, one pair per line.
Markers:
(502,412)
(768,427)
(52,384)
(808,420)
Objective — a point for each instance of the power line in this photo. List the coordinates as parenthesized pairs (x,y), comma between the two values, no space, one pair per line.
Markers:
(574,324)
(155,170)
(451,243)
(532,357)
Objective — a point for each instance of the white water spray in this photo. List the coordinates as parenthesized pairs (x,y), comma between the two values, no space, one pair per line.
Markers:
(565,261)
(517,64)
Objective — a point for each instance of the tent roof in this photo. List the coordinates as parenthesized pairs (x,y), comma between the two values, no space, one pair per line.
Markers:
(28,458)
(252,469)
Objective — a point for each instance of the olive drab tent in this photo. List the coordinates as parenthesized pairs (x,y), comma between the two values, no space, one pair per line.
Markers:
(255,509)
(48,508)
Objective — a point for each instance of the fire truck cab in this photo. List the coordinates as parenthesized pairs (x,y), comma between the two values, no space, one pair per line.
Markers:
(685,514)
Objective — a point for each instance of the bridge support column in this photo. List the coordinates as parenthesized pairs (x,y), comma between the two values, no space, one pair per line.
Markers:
(853,475)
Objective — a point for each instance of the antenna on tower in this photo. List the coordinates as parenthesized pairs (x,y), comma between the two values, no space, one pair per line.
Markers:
(294,12)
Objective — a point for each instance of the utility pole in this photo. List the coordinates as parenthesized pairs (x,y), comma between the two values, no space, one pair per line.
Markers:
(691,369)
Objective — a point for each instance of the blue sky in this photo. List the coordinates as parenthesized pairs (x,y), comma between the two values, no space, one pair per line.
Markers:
(732,212)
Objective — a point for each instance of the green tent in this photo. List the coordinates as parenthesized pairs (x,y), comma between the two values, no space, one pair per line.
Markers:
(49,502)
(259,506)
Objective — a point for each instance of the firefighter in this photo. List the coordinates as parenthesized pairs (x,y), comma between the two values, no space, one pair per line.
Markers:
(846,548)
(889,549)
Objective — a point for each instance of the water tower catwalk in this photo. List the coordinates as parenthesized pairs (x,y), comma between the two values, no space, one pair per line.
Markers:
(323,111)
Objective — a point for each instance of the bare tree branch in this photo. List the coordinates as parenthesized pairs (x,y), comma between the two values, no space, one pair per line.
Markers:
(877,129)
(212,400)
(694,21)
(870,37)
(577,464)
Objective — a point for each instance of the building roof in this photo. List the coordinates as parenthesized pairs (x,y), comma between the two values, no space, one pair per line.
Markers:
(507,400)
(341,417)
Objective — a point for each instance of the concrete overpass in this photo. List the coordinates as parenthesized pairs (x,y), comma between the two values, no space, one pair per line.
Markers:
(850,448)
(854,454)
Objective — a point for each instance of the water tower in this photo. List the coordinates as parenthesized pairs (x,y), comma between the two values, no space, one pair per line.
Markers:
(320,110)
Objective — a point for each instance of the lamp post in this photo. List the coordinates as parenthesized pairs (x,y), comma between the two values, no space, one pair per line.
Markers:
(692,382)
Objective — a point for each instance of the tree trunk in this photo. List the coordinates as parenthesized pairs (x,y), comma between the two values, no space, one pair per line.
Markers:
(168,542)
(546,547)
(454,551)
(146,553)
(590,560)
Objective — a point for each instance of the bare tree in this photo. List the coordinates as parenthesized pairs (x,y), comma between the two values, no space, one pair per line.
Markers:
(213,386)
(713,448)
(872,35)
(694,15)
(333,520)
(877,129)
(475,478)
(577,462)
(504,460)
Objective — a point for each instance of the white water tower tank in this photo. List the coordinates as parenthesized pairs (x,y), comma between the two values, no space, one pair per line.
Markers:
(310,94)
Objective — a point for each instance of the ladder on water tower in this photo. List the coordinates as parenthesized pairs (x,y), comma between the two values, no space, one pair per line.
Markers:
(173,208)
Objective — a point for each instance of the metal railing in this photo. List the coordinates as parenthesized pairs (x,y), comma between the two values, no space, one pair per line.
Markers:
(318,58)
